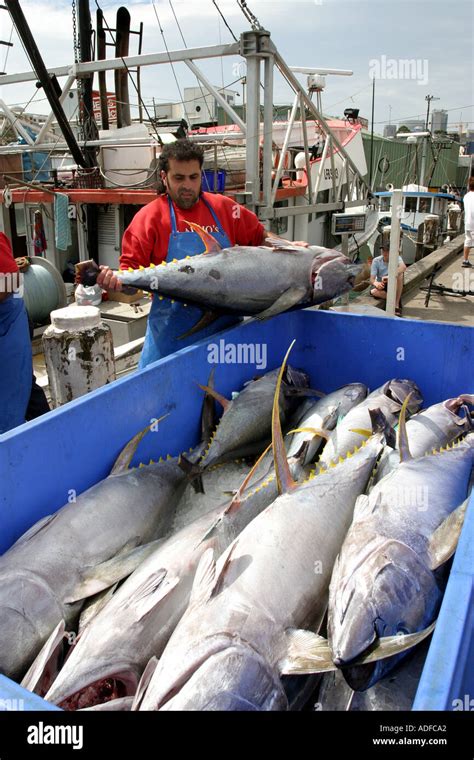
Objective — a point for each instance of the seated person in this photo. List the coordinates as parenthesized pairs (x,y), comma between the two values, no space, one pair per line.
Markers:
(379,278)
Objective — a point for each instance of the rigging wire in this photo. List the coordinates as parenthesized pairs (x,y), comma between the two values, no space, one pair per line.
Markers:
(224,20)
(171,62)
(184,43)
(8,49)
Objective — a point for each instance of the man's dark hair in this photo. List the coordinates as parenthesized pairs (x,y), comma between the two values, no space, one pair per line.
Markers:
(471,183)
(181,150)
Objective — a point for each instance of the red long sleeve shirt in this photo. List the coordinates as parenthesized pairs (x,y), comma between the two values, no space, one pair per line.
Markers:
(7,262)
(146,239)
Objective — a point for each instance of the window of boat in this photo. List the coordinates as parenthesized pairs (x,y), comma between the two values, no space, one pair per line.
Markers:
(424,206)
(410,204)
(385,202)
(20,219)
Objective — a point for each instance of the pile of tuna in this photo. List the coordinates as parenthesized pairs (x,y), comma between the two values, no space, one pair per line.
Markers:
(325,554)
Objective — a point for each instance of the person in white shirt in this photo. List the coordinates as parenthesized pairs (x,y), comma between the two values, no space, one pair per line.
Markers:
(468,201)
(379,278)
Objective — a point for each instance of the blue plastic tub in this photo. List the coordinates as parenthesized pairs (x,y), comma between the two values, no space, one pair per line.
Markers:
(74,447)
(213,182)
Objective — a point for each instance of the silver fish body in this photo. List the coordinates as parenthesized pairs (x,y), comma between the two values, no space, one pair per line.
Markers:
(226,650)
(384,581)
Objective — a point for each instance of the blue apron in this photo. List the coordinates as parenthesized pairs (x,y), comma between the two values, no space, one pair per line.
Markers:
(167,321)
(15,363)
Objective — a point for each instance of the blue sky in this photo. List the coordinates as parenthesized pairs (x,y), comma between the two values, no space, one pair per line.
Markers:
(367,36)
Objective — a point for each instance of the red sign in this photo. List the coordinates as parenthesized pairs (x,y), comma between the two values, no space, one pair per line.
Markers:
(111,107)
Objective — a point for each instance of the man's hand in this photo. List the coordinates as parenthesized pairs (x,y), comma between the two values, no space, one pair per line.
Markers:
(379,285)
(301,243)
(108,280)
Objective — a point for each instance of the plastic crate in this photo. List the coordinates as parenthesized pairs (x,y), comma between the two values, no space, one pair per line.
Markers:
(75,446)
(209,183)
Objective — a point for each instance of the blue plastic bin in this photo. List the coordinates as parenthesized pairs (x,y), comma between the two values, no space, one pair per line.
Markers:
(209,183)
(75,446)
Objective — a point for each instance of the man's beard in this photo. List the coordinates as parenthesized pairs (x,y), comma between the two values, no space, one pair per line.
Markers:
(185,202)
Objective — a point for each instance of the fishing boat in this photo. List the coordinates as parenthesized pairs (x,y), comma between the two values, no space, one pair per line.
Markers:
(426,220)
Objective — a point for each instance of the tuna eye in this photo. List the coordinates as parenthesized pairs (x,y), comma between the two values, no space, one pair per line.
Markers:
(402,629)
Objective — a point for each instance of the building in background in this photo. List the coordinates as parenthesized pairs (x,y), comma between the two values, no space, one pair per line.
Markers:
(414,125)
(390,130)
(439,121)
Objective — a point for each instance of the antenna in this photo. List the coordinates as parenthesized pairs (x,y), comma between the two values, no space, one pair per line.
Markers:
(317,79)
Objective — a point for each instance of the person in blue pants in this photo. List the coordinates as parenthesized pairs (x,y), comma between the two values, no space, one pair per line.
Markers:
(15,345)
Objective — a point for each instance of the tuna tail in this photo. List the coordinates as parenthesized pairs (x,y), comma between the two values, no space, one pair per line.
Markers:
(469,417)
(380,424)
(402,435)
(208,425)
(317,433)
(87,273)
(193,472)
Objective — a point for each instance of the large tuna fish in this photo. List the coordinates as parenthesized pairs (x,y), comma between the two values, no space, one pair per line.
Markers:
(384,582)
(242,623)
(111,654)
(245,426)
(388,398)
(431,428)
(41,573)
(243,280)
(322,415)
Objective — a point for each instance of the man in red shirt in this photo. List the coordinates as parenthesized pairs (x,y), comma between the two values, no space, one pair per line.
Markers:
(15,345)
(160,232)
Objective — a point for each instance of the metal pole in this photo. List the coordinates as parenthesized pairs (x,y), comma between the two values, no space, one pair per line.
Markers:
(37,63)
(14,121)
(423,159)
(139,86)
(294,83)
(102,55)
(345,252)
(148,59)
(428,98)
(252,185)
(372,134)
(87,116)
(321,168)
(41,134)
(341,179)
(285,147)
(333,170)
(222,101)
(306,148)
(394,249)
(268,131)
